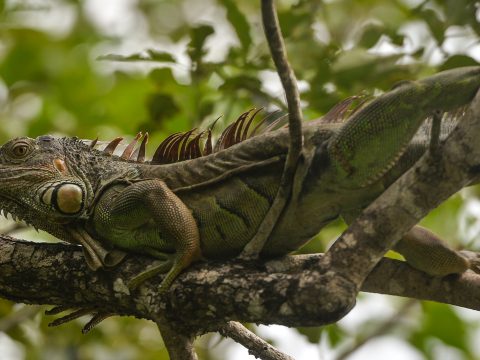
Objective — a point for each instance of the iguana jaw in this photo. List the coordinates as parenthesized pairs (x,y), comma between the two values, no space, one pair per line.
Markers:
(58,201)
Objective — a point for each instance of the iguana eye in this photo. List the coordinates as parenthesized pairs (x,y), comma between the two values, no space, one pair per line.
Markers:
(20,150)
(17,150)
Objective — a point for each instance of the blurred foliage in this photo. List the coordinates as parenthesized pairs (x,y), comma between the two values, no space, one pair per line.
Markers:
(116,67)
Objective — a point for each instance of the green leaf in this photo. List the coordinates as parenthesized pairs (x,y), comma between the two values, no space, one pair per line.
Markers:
(435,24)
(198,36)
(241,82)
(370,35)
(358,69)
(160,56)
(205,109)
(313,334)
(239,23)
(161,107)
(148,55)
(458,61)
(441,322)
(163,76)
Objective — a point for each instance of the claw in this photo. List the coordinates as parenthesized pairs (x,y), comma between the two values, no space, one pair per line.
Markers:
(69,317)
(57,310)
(97,318)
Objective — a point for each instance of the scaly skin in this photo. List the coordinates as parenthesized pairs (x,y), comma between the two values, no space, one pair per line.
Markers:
(211,206)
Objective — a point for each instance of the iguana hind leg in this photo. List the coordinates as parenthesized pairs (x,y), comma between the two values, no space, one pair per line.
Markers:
(425,251)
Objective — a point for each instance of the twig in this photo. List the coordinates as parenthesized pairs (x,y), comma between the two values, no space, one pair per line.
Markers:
(255,345)
(287,77)
(380,330)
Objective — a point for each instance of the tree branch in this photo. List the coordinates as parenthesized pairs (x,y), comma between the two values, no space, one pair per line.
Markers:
(255,345)
(178,344)
(289,83)
(284,291)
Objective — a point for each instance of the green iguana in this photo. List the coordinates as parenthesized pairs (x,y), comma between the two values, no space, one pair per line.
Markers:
(192,202)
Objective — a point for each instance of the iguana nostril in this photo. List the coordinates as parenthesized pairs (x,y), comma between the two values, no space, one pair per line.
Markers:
(69,198)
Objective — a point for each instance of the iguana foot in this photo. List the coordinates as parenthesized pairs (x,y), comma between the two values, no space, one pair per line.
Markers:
(97,318)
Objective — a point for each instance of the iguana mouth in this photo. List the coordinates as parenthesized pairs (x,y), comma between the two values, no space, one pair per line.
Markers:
(23,173)
(10,205)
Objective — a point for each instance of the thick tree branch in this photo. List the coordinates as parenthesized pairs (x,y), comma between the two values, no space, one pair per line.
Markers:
(199,301)
(284,291)
(287,77)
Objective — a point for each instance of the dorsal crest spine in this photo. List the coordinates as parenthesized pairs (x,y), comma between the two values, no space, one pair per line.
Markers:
(194,143)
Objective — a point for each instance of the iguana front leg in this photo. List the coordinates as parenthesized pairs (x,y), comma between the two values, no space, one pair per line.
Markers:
(147,217)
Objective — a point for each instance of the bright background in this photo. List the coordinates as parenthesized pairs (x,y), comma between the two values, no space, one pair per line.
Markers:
(115,67)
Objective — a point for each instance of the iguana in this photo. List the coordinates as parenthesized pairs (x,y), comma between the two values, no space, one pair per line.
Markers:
(190,202)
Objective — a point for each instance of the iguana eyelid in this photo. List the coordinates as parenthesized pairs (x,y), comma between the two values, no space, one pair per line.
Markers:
(20,150)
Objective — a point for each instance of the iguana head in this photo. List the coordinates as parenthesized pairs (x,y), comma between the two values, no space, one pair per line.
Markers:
(55,180)
(37,180)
